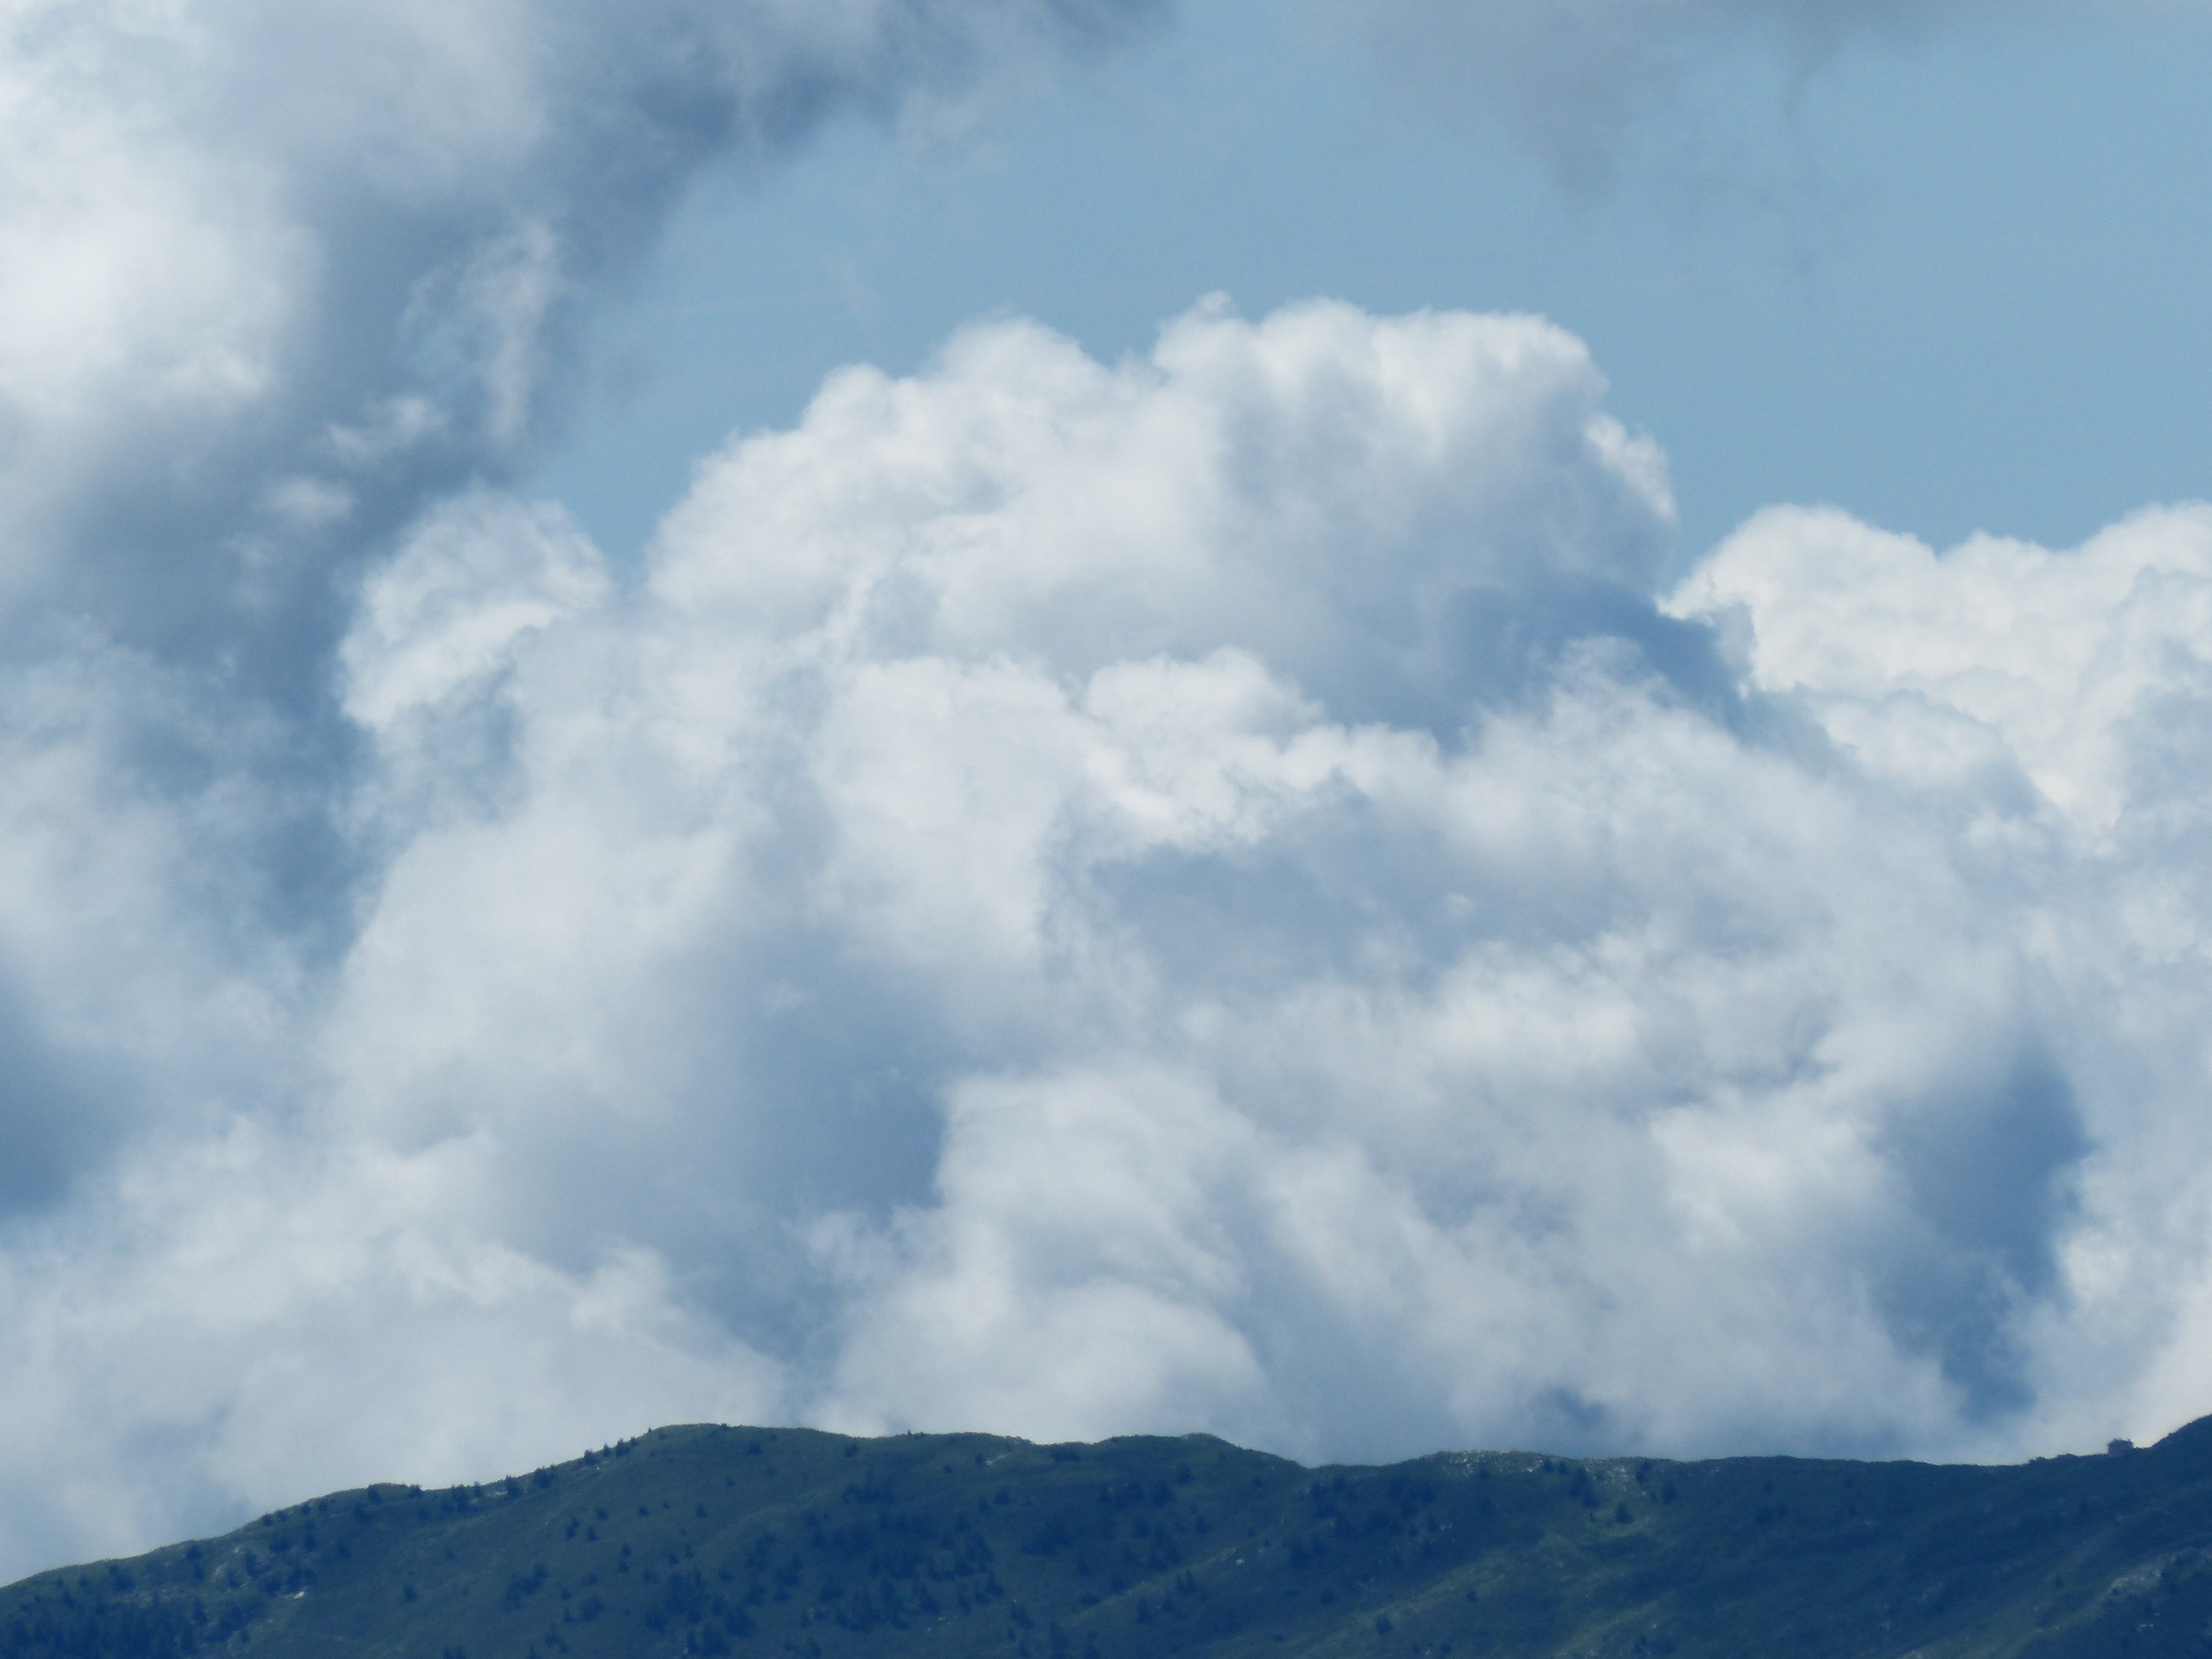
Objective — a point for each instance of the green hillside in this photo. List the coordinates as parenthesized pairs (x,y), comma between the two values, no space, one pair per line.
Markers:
(716,1540)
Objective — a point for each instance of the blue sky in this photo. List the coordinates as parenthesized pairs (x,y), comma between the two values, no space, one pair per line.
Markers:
(1085,716)
(1948,279)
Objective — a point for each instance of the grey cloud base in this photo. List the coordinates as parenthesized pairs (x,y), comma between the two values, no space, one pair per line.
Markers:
(1207,893)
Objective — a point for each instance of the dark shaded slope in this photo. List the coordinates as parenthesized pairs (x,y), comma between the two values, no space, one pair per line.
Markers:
(712,1540)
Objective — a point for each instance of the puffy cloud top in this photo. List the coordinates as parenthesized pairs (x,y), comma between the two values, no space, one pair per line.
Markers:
(1341,497)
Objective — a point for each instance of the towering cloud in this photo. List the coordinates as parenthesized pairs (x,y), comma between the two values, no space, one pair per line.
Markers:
(1207,892)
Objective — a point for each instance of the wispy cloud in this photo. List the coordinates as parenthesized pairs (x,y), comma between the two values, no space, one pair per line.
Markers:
(1580,81)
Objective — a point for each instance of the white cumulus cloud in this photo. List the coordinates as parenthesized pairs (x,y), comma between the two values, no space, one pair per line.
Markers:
(1215,891)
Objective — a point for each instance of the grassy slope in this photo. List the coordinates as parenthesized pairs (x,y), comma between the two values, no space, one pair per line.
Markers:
(708,1539)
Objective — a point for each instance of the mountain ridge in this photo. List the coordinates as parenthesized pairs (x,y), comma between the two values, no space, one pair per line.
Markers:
(717,1540)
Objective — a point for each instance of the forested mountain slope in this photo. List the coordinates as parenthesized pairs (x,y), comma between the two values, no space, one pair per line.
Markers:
(773,1542)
